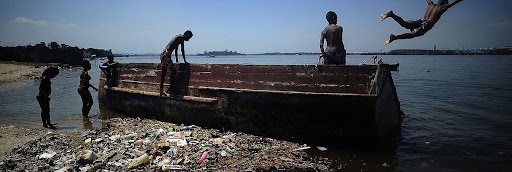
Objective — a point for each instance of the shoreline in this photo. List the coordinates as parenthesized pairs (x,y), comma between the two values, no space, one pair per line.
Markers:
(17,71)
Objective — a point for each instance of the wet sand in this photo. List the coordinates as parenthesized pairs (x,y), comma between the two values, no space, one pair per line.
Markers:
(12,72)
(15,134)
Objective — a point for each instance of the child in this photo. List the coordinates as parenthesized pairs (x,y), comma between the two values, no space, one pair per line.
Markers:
(45,89)
(165,57)
(422,26)
(109,69)
(335,52)
(83,88)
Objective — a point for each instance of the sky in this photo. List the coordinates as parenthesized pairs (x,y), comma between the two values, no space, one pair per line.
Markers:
(247,26)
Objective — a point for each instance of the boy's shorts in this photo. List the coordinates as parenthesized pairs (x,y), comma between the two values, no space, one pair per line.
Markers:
(419,27)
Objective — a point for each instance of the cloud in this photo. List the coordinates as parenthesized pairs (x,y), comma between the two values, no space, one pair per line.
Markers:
(23,20)
(502,25)
(67,24)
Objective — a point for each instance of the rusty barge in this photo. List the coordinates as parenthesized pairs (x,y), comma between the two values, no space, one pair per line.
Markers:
(327,104)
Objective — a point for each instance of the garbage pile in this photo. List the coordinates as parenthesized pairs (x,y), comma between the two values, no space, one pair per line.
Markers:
(133,144)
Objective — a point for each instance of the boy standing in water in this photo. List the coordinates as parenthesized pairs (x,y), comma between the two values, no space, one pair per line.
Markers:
(83,88)
(109,69)
(419,27)
(166,61)
(335,52)
(45,89)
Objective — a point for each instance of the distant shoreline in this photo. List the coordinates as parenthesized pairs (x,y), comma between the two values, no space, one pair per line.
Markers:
(17,71)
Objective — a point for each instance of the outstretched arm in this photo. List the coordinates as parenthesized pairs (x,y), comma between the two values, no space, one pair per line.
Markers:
(93,87)
(429,2)
(452,4)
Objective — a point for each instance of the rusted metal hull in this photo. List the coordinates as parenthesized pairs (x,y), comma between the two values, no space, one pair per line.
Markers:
(327,104)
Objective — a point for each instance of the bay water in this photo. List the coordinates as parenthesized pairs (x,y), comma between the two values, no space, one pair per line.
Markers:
(458,109)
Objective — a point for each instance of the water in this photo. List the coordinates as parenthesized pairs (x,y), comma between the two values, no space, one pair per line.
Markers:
(458,110)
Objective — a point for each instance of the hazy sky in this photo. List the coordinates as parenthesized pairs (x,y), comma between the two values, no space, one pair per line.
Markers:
(246,26)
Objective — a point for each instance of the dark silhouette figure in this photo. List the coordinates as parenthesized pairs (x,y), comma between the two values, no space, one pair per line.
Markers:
(109,68)
(422,26)
(335,52)
(83,88)
(166,61)
(45,89)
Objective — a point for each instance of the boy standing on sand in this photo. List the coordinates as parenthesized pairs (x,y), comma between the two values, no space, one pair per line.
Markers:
(166,61)
(45,89)
(419,27)
(335,52)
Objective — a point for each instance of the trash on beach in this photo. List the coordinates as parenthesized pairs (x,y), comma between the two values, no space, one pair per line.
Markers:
(86,157)
(134,144)
(139,161)
(302,148)
(321,148)
(47,155)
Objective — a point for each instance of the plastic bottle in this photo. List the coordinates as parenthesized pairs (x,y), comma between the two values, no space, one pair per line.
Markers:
(186,128)
(205,154)
(140,160)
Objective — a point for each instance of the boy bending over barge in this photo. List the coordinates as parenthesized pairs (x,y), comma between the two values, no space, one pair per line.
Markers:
(166,61)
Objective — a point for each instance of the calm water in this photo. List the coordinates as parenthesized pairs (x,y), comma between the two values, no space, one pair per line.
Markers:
(459,110)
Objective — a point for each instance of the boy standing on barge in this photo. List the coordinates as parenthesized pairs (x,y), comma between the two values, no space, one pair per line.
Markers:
(166,61)
(335,52)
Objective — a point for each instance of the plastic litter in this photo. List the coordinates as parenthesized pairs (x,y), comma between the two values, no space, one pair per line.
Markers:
(133,144)
(171,167)
(140,160)
(203,157)
(302,148)
(47,155)
(86,157)
(321,148)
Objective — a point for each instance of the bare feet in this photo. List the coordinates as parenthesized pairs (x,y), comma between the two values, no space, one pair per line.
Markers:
(391,39)
(163,94)
(386,15)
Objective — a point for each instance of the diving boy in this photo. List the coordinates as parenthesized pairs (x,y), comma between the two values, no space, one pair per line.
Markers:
(419,27)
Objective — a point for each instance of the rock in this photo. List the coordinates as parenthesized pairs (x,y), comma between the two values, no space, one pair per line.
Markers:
(86,157)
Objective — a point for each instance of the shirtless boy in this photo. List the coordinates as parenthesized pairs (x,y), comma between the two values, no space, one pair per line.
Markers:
(335,52)
(419,27)
(165,57)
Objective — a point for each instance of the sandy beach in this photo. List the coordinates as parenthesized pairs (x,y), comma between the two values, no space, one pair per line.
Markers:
(13,134)
(16,135)
(12,72)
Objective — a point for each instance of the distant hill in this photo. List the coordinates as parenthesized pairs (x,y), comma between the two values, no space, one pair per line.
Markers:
(220,53)
(49,53)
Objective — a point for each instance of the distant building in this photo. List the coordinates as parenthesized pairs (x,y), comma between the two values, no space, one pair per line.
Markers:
(41,44)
